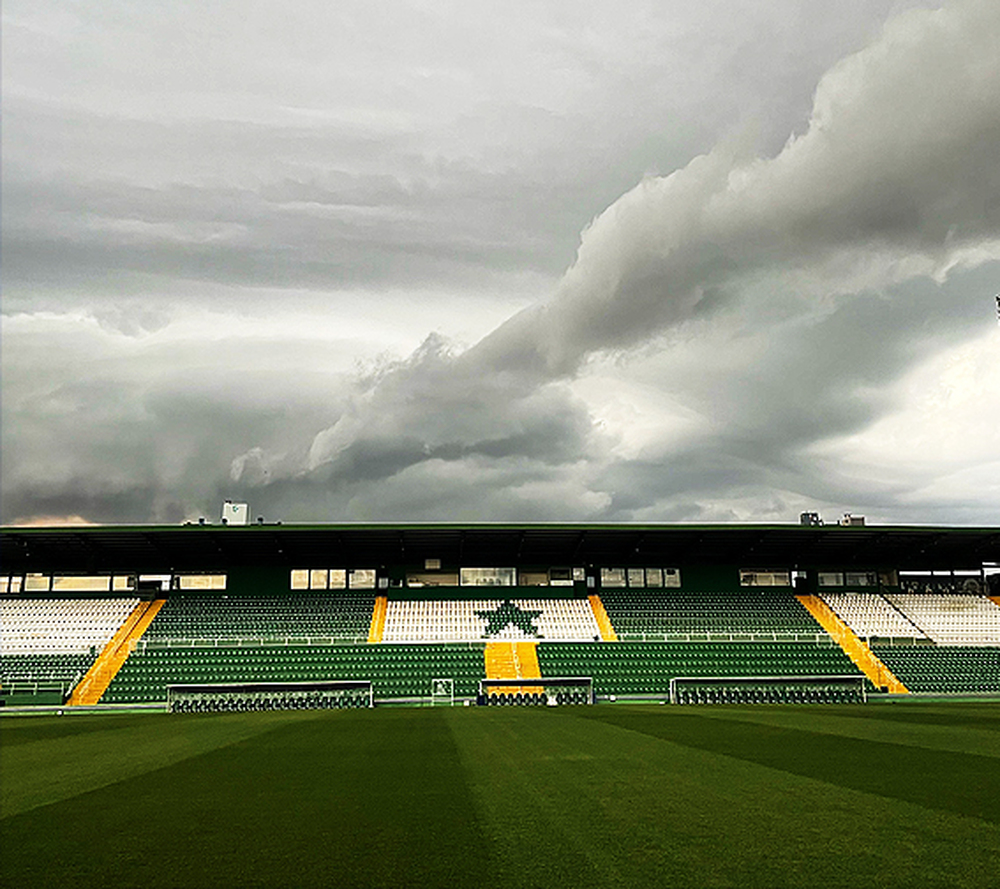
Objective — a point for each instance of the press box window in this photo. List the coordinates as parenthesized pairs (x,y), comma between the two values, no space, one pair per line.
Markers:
(37,583)
(361,579)
(860,578)
(487,576)
(765,578)
(612,577)
(201,582)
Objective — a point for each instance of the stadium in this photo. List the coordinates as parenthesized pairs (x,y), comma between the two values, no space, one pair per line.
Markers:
(438,704)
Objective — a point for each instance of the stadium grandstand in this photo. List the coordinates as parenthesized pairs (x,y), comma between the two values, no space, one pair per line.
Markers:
(213,617)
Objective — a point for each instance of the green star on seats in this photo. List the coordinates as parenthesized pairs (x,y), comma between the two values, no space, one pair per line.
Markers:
(509,613)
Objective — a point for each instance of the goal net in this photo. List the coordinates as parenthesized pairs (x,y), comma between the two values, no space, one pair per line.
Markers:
(245,697)
(442,692)
(550,691)
(768,690)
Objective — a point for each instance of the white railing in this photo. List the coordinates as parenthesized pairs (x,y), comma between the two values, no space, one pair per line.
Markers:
(243,642)
(818,638)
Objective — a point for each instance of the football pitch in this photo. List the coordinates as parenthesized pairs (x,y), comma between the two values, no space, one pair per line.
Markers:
(903,794)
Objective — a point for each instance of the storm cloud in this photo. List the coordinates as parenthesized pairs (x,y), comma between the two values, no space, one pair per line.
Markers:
(368,306)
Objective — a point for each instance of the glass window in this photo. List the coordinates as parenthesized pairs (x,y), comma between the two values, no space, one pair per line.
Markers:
(860,578)
(636,577)
(361,578)
(436,578)
(612,577)
(765,578)
(534,578)
(831,578)
(202,582)
(318,579)
(36,583)
(338,578)
(672,578)
(77,584)
(487,576)
(300,579)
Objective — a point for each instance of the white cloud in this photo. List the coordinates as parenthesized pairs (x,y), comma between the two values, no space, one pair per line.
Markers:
(942,442)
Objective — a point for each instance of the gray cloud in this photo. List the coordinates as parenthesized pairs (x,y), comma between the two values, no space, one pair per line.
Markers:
(895,179)
(186,294)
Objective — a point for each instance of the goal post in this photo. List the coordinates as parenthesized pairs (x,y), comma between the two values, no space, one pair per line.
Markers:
(245,697)
(768,690)
(443,692)
(548,691)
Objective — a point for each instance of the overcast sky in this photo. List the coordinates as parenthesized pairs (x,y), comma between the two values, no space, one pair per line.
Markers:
(468,261)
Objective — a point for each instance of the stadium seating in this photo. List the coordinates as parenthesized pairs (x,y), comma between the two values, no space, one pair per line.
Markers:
(952,642)
(952,619)
(944,668)
(444,620)
(52,626)
(395,671)
(644,613)
(64,668)
(871,615)
(624,668)
(47,645)
(341,616)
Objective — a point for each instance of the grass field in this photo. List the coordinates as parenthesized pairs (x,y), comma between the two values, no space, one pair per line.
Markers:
(866,796)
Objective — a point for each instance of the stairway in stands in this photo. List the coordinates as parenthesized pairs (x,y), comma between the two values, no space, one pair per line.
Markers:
(866,660)
(513,660)
(114,655)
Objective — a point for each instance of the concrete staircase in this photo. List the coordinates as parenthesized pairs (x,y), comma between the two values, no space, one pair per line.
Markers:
(114,654)
(880,675)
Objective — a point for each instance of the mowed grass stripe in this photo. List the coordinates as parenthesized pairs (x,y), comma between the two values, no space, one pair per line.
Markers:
(47,759)
(982,716)
(575,801)
(362,799)
(963,783)
(863,723)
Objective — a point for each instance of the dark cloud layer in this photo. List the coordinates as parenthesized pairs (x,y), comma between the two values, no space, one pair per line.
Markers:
(200,267)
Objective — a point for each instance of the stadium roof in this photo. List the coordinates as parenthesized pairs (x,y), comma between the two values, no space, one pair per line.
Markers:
(214,547)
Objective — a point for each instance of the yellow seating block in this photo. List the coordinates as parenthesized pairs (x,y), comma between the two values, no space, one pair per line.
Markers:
(526,654)
(500,660)
(512,660)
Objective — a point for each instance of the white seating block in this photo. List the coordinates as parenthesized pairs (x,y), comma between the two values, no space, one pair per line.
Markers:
(561,620)
(952,619)
(869,614)
(58,626)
